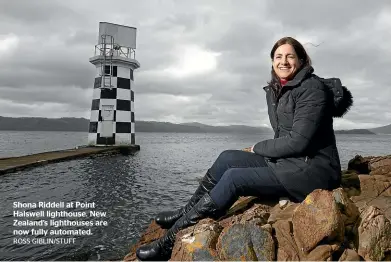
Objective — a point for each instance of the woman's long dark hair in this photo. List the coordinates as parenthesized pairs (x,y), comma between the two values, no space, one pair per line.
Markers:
(301,54)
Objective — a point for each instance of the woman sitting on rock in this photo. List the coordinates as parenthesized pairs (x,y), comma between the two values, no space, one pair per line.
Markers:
(302,156)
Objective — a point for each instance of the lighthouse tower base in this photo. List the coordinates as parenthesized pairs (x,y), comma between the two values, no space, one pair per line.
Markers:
(112,119)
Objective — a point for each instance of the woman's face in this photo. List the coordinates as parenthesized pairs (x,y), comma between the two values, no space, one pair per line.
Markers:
(285,62)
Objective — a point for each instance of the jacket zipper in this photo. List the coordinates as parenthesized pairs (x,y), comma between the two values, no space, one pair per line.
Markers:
(275,107)
(278,124)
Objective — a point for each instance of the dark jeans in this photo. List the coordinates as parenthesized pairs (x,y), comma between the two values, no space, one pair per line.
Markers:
(241,173)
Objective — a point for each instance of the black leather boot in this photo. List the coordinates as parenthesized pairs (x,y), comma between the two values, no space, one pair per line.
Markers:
(161,249)
(167,218)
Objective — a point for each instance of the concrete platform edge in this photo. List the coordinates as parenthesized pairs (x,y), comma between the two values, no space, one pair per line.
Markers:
(64,155)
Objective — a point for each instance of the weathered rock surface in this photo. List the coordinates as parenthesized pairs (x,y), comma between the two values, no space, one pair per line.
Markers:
(322,253)
(246,241)
(348,209)
(349,255)
(153,232)
(287,249)
(197,243)
(282,213)
(317,218)
(374,235)
(375,191)
(350,223)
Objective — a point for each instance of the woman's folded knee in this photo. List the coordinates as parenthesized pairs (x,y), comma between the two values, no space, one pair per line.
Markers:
(227,155)
(230,178)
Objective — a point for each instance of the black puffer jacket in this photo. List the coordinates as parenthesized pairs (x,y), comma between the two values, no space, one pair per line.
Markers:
(303,153)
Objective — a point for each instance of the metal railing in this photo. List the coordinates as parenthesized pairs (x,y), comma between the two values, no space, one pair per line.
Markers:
(115,50)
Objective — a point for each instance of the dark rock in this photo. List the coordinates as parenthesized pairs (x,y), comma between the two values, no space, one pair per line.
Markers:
(359,164)
(247,241)
(346,206)
(350,180)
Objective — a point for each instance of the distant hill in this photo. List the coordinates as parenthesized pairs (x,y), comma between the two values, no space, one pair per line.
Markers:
(355,131)
(382,130)
(43,124)
(195,124)
(228,129)
(81,125)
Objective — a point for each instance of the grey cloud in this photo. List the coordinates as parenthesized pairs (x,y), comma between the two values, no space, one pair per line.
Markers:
(51,67)
(57,38)
(225,104)
(43,11)
(186,21)
(37,109)
(62,95)
(81,37)
(243,37)
(322,15)
(163,84)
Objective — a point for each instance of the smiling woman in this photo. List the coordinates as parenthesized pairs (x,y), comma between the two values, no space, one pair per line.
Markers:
(301,157)
(193,60)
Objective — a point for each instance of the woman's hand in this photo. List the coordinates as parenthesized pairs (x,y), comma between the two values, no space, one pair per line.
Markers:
(249,149)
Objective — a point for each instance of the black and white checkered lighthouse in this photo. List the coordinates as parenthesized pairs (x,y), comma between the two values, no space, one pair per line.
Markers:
(112,110)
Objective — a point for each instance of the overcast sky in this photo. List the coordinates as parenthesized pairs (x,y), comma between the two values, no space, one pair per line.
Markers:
(203,61)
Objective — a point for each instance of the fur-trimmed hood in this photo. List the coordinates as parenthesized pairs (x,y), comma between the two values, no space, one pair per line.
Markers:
(343,99)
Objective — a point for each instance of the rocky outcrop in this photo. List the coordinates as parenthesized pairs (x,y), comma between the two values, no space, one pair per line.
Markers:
(374,235)
(316,219)
(350,223)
